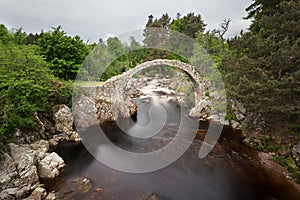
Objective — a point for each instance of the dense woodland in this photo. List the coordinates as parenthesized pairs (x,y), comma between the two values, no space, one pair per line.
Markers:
(260,68)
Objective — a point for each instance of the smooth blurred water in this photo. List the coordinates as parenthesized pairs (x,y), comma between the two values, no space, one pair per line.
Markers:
(231,171)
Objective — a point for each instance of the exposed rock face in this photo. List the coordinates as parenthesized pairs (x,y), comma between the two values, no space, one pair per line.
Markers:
(25,160)
(85,113)
(63,118)
(8,172)
(19,174)
(49,167)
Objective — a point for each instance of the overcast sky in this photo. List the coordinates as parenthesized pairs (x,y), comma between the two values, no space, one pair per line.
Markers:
(96,19)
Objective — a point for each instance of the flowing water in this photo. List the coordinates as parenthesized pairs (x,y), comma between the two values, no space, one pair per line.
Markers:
(230,171)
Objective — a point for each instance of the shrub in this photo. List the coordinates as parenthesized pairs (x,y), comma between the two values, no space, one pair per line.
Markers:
(26,86)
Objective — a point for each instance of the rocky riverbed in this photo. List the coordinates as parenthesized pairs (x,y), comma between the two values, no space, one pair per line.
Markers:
(25,165)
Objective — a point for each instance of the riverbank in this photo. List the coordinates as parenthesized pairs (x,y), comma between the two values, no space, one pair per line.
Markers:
(275,169)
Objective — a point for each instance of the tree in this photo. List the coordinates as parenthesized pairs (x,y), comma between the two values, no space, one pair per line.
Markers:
(156,32)
(224,26)
(64,53)
(191,25)
(19,36)
(26,86)
(265,74)
(5,36)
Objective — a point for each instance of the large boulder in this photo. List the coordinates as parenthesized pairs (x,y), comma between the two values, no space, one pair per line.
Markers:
(85,113)
(50,166)
(63,118)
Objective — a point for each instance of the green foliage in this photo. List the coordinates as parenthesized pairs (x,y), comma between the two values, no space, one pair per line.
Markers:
(191,25)
(264,74)
(296,177)
(287,162)
(23,84)
(26,86)
(5,36)
(230,115)
(267,144)
(64,53)
(280,160)
(292,167)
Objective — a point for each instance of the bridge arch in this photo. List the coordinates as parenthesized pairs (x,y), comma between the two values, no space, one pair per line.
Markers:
(194,75)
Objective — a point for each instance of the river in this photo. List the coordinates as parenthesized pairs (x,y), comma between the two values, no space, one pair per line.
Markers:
(230,171)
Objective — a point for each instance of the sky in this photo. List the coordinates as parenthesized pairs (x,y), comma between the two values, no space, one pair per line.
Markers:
(94,19)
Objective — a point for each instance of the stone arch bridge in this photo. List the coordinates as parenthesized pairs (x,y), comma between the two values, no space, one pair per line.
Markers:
(109,101)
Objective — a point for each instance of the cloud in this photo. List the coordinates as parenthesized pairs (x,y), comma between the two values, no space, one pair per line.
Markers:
(98,18)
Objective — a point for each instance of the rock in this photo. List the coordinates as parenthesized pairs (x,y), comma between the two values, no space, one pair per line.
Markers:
(9,193)
(29,176)
(53,143)
(25,160)
(132,107)
(173,85)
(19,174)
(83,185)
(85,113)
(105,111)
(239,116)
(74,188)
(224,122)
(257,141)
(14,193)
(5,196)
(60,137)
(201,107)
(40,147)
(151,196)
(49,167)
(51,196)
(23,156)
(63,118)
(235,124)
(237,106)
(38,194)
(296,153)
(74,136)
(8,172)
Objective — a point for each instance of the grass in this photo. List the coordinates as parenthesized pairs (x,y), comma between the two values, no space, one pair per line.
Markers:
(88,83)
(287,162)
(230,115)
